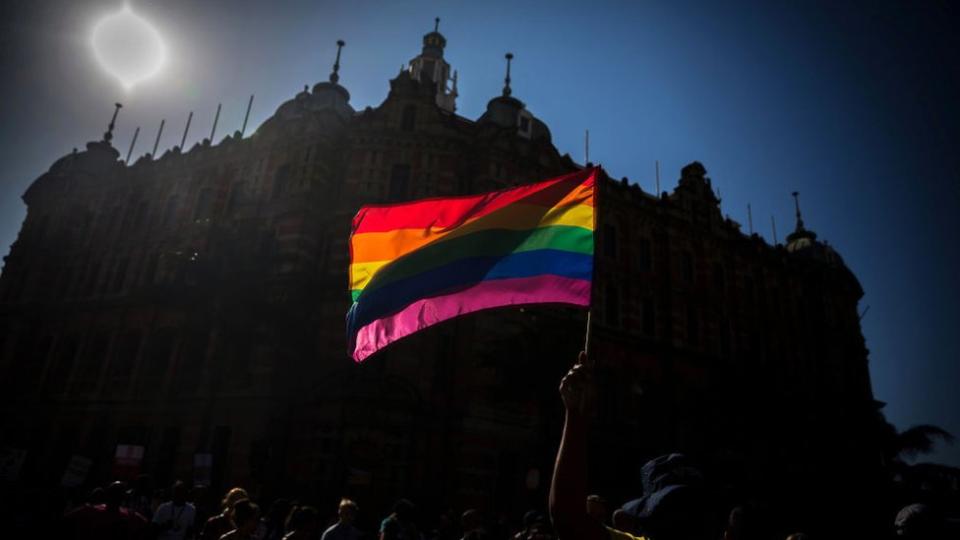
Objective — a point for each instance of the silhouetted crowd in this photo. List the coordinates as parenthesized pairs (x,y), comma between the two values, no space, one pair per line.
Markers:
(673,504)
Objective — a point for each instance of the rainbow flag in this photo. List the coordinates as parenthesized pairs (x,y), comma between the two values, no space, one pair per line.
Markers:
(415,264)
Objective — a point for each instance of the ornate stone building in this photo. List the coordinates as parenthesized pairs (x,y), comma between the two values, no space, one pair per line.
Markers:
(187,312)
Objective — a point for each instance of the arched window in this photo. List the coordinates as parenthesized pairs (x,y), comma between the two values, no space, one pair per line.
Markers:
(190,363)
(124,359)
(204,208)
(170,210)
(156,358)
(282,181)
(62,365)
(238,197)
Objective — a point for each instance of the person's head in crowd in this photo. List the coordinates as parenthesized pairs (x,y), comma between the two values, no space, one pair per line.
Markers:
(278,512)
(114,494)
(918,521)
(245,516)
(476,534)
(347,511)
(444,527)
(470,520)
(621,520)
(597,508)
(304,520)
(533,517)
(539,530)
(231,498)
(404,510)
(96,496)
(143,485)
(178,493)
(673,505)
(199,494)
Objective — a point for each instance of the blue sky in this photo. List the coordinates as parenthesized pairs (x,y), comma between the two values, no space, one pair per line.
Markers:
(854,105)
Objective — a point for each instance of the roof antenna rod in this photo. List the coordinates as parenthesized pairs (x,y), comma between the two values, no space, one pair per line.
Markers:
(658,179)
(132,143)
(216,119)
(186,129)
(156,143)
(246,117)
(750,218)
(773,222)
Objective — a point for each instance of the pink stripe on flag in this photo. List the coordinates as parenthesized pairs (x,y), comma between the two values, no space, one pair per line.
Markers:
(484,295)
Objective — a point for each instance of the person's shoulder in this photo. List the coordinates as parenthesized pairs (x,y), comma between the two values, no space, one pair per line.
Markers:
(164,508)
(616,534)
(331,528)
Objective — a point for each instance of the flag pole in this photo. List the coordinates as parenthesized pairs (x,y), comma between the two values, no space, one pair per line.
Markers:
(586,339)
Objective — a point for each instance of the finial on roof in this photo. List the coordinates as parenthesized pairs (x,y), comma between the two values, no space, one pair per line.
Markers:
(796,202)
(108,136)
(334,77)
(506,80)
(436,24)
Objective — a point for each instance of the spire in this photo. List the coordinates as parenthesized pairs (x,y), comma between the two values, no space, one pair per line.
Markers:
(796,203)
(108,136)
(436,24)
(800,233)
(506,80)
(334,76)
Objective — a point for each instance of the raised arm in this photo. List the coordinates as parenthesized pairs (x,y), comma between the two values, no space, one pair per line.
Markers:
(568,491)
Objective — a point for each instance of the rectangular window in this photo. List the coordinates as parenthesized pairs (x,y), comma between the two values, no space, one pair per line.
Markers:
(693,326)
(399,182)
(610,241)
(645,259)
(612,306)
(719,280)
(648,317)
(119,275)
(686,266)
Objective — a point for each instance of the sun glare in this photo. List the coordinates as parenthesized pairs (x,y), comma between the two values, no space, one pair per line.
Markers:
(128,47)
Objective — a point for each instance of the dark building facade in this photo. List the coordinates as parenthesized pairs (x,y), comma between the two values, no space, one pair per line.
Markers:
(186,312)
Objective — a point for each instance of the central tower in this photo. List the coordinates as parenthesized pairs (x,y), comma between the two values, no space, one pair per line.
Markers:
(430,66)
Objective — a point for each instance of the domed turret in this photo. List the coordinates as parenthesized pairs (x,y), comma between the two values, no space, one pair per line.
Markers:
(326,95)
(509,112)
(331,94)
(430,68)
(803,242)
(434,42)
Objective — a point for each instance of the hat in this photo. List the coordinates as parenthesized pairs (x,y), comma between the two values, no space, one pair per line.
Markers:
(670,483)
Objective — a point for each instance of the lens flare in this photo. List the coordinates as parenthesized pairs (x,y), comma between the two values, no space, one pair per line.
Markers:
(128,47)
